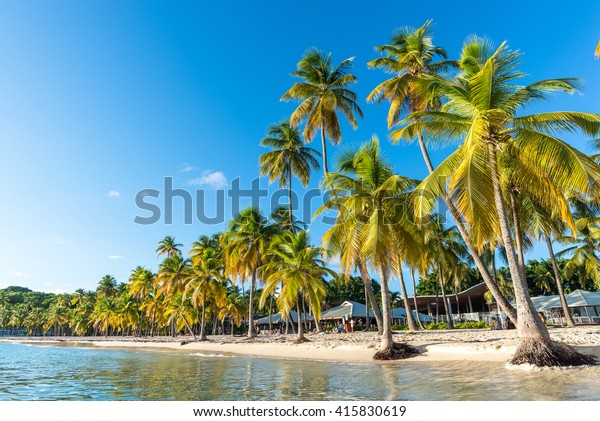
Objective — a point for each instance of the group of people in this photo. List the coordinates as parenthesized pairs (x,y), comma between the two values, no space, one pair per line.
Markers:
(499,324)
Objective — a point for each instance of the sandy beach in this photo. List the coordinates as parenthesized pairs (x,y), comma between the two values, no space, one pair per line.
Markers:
(472,345)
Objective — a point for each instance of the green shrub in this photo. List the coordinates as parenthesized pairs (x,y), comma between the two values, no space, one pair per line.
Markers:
(398,327)
(436,326)
(472,325)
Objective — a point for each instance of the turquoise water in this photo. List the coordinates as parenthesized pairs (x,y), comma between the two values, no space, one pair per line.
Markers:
(71,372)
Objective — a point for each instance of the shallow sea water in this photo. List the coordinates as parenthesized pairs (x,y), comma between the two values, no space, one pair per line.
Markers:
(75,372)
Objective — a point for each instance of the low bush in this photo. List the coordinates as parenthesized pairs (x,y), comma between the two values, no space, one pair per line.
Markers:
(472,325)
(437,326)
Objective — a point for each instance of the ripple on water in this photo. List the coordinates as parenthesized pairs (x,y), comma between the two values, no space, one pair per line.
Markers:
(75,373)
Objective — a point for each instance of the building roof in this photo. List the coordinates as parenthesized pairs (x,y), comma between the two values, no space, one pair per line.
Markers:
(354,309)
(577,298)
(278,318)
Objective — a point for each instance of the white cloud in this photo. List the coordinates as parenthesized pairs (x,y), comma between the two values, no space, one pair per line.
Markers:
(115,257)
(58,291)
(187,168)
(47,284)
(113,194)
(212,179)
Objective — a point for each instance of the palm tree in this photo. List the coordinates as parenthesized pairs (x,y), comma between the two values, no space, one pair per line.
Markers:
(204,283)
(168,246)
(583,249)
(543,226)
(288,157)
(234,309)
(323,92)
(410,57)
(481,110)
(597,52)
(244,248)
(107,287)
(367,196)
(295,264)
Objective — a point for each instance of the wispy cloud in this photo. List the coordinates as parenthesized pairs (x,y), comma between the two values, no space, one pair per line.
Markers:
(115,257)
(187,168)
(212,179)
(58,291)
(113,194)
(58,240)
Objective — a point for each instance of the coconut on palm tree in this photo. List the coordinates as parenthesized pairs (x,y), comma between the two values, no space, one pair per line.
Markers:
(481,111)
(323,93)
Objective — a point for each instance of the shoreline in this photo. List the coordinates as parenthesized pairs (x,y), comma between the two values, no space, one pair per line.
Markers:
(458,345)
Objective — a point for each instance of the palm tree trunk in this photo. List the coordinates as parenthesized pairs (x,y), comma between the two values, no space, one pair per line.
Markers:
(387,341)
(559,287)
(487,279)
(290,207)
(446,309)
(203,323)
(251,331)
(437,300)
(187,325)
(412,326)
(412,275)
(364,273)
(324,148)
(529,324)
(518,233)
(270,313)
(300,329)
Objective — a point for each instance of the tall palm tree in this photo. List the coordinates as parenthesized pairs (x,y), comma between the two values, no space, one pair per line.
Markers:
(410,57)
(168,246)
(295,264)
(367,197)
(323,92)
(204,283)
(107,287)
(244,248)
(289,157)
(481,111)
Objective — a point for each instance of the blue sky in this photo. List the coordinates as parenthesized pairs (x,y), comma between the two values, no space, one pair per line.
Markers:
(100,100)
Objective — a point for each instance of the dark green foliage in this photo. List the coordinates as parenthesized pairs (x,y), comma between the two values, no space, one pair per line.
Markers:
(437,326)
(341,289)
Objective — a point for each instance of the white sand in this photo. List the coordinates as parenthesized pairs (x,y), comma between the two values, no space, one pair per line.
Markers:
(472,345)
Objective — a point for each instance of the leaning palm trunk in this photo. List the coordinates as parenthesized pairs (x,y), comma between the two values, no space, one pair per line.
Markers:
(487,279)
(446,307)
(324,148)
(251,331)
(535,346)
(203,323)
(388,350)
(559,287)
(300,338)
(518,232)
(412,326)
(364,273)
(412,276)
